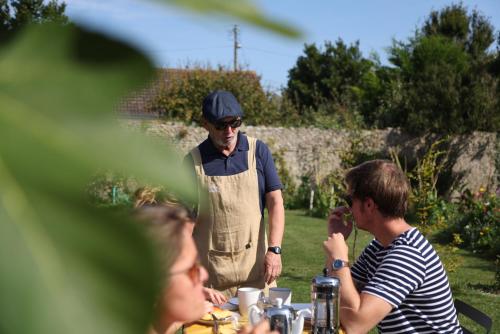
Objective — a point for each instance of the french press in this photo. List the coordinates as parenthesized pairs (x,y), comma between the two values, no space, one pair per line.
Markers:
(325,300)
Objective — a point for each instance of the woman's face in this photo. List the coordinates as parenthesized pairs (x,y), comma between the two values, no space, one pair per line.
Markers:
(184,298)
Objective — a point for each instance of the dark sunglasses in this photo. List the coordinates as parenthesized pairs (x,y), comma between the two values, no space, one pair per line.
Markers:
(235,123)
(347,198)
(193,272)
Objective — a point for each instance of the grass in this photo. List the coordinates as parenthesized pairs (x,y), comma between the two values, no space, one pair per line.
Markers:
(303,258)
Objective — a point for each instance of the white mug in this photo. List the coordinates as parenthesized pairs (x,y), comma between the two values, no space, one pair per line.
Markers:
(284,293)
(246,298)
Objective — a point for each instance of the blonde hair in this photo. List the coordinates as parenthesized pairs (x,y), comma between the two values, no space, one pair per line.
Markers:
(164,219)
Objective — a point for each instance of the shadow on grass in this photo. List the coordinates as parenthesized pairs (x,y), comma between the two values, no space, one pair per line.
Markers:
(296,278)
(473,263)
(488,288)
(459,287)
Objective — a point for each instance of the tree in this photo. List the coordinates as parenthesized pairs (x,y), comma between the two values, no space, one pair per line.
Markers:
(447,75)
(15,14)
(473,32)
(332,75)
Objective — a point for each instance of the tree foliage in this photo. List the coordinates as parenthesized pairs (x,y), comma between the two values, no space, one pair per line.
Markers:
(446,74)
(179,94)
(443,79)
(15,14)
(335,74)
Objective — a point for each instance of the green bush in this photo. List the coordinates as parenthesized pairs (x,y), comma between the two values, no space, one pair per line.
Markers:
(289,187)
(180,94)
(478,221)
(327,195)
(302,195)
(497,273)
(111,190)
(427,208)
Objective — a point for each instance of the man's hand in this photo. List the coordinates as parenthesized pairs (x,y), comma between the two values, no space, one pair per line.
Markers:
(214,296)
(336,247)
(272,266)
(336,223)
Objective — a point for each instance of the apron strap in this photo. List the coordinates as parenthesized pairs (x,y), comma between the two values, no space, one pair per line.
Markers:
(252,145)
(198,166)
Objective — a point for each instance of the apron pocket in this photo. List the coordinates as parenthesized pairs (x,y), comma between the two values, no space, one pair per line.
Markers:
(229,269)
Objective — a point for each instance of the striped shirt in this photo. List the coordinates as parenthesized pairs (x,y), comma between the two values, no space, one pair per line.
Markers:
(409,275)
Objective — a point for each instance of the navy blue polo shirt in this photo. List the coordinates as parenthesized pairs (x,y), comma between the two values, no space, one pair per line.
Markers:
(217,164)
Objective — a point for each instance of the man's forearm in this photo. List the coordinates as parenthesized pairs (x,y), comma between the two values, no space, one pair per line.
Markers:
(349,295)
(276,217)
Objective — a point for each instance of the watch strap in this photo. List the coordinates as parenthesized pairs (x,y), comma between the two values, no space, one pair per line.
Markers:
(274,249)
(338,264)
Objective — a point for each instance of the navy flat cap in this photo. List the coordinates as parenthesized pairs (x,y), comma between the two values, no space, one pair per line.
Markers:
(220,104)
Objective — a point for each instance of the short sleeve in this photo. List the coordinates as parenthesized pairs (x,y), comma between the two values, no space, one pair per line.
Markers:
(265,163)
(401,272)
(359,270)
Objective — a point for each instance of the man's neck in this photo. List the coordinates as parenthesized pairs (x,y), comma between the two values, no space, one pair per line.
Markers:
(388,229)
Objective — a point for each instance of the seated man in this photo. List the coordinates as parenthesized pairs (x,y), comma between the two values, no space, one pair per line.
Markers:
(398,283)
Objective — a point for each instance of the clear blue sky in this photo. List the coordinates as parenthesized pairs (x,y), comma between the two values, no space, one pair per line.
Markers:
(174,38)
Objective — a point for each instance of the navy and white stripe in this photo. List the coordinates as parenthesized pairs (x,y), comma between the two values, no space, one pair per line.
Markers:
(409,275)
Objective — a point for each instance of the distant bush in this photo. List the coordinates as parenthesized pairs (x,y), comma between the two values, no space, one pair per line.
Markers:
(177,95)
(180,94)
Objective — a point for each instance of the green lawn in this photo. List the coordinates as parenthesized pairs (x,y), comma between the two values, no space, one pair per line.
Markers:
(303,258)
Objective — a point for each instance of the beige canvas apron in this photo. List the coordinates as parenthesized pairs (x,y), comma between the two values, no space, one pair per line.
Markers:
(230,232)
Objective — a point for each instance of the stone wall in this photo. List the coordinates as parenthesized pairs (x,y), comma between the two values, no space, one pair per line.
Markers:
(472,160)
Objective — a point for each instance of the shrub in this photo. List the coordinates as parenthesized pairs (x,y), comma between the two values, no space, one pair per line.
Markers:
(427,209)
(180,94)
(497,273)
(111,190)
(301,197)
(478,221)
(327,195)
(289,187)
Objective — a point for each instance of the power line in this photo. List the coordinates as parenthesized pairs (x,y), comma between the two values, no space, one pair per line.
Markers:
(271,52)
(191,49)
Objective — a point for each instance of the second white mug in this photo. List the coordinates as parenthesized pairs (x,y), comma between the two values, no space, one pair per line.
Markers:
(246,298)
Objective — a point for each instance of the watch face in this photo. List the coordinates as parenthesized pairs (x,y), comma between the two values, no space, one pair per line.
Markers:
(337,264)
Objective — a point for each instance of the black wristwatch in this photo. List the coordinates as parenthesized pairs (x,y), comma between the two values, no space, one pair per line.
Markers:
(274,249)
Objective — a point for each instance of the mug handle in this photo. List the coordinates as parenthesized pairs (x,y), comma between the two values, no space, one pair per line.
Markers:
(255,314)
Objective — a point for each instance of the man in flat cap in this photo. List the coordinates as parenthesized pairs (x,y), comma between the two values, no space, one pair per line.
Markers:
(237,179)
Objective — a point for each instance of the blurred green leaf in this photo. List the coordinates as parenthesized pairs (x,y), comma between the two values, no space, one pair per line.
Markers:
(66,267)
(241,9)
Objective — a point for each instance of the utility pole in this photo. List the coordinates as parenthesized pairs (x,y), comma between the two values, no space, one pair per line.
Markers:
(236,46)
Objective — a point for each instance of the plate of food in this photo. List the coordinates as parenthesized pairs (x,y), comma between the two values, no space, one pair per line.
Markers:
(222,317)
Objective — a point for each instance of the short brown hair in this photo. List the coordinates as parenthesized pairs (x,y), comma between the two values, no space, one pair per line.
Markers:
(382,181)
